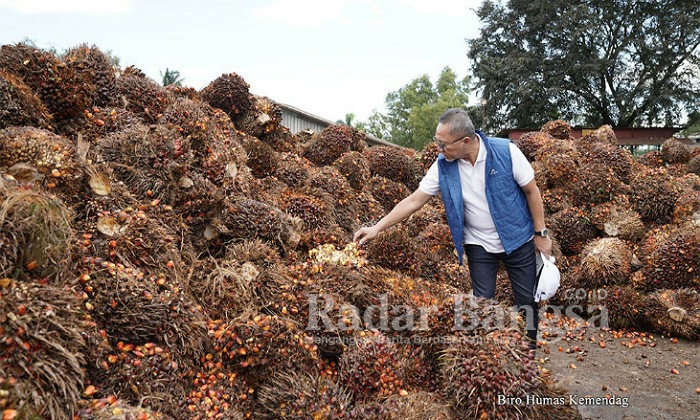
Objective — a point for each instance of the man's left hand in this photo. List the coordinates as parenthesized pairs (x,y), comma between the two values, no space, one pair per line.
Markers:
(543,244)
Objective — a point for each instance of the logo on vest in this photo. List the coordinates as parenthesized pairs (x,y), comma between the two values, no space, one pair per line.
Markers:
(493,172)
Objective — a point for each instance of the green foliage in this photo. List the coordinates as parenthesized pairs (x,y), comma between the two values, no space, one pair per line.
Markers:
(413,110)
(349,120)
(171,77)
(621,62)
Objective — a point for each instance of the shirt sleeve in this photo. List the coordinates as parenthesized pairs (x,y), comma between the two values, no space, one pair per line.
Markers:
(522,170)
(430,184)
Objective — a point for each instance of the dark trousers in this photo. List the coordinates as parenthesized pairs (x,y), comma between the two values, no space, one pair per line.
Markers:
(521,268)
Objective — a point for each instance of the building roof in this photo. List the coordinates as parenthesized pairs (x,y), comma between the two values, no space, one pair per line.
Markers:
(372,140)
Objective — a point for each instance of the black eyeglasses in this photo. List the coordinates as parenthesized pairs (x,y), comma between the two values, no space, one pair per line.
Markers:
(441,144)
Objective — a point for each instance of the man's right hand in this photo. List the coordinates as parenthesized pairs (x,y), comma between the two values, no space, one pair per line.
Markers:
(365,234)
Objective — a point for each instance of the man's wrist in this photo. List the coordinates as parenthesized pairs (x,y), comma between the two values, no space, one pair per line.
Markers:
(542,233)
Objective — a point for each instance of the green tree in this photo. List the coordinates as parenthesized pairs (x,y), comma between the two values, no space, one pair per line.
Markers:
(171,77)
(413,110)
(621,62)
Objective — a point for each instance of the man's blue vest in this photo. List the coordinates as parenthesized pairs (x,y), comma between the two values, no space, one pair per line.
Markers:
(507,203)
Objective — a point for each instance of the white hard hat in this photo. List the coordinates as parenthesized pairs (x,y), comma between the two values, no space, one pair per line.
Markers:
(547,277)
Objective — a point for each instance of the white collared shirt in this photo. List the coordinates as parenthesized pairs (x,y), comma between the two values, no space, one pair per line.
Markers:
(479,228)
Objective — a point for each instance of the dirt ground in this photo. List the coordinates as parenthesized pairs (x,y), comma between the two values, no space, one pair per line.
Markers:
(638,366)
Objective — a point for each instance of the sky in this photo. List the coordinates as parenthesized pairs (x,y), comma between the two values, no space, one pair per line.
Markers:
(327,57)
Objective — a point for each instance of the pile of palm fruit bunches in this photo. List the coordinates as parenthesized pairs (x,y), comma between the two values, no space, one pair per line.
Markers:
(164,251)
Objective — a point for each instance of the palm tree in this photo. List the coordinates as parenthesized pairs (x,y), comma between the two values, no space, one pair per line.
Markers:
(349,118)
(171,77)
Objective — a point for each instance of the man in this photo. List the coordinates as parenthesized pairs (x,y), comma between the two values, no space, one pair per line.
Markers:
(493,207)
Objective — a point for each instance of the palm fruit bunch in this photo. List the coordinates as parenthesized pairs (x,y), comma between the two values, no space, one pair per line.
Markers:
(403,291)
(326,235)
(267,190)
(19,105)
(41,350)
(258,256)
(461,314)
(475,370)
(292,169)
(693,165)
(617,159)
(297,395)
(314,207)
(675,151)
(136,308)
(531,143)
(257,345)
(59,87)
(597,183)
(557,199)
(330,144)
(604,262)
(558,129)
(216,392)
(282,140)
(355,167)
(561,161)
(336,271)
(621,306)
(243,219)
(386,191)
(416,405)
(330,180)
(194,120)
(394,164)
(689,183)
(603,135)
(147,374)
(141,95)
(262,159)
(674,258)
(35,155)
(618,220)
(229,93)
(429,155)
(264,116)
(35,234)
(95,68)
(654,193)
(369,210)
(223,288)
(687,208)
(95,123)
(149,160)
(224,163)
(100,194)
(573,228)
(427,215)
(376,367)
(329,335)
(182,92)
(195,201)
(394,249)
(652,159)
(136,239)
(540,174)
(112,408)
(434,249)
(674,312)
